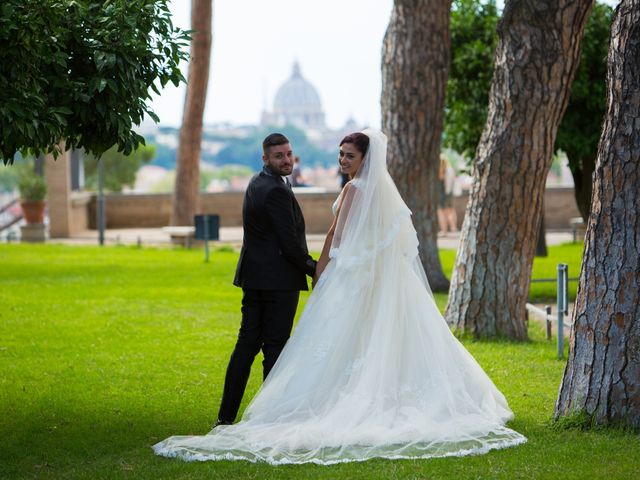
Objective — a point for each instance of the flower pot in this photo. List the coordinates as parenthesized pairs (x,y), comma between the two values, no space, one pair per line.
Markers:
(33,211)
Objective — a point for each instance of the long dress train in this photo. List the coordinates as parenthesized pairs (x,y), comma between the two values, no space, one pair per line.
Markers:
(372,369)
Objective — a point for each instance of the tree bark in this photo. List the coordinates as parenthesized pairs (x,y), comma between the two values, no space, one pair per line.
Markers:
(602,377)
(536,58)
(415,65)
(187,186)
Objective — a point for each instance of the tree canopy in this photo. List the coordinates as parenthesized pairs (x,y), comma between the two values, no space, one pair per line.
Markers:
(581,126)
(248,150)
(473,43)
(582,123)
(82,71)
(119,169)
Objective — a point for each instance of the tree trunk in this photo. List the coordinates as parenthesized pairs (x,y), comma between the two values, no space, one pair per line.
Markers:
(415,65)
(583,183)
(602,377)
(536,58)
(187,187)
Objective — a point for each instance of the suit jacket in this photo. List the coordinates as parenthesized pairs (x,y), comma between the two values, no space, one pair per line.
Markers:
(274,253)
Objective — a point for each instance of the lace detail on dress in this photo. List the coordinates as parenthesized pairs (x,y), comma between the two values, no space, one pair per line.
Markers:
(335,459)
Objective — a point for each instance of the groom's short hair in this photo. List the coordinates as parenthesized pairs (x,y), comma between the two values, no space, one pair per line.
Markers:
(273,140)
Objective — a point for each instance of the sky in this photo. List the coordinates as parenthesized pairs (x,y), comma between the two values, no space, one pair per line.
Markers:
(255,42)
(338,44)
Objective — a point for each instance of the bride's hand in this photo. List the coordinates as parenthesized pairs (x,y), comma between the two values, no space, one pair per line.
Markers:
(316,278)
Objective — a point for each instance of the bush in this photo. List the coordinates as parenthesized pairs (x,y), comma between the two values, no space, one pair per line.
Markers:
(33,188)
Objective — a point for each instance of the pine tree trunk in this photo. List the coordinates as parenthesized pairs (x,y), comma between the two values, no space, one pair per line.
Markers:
(602,377)
(187,186)
(536,58)
(415,65)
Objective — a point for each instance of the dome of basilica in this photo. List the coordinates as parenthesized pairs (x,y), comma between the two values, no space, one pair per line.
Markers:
(297,102)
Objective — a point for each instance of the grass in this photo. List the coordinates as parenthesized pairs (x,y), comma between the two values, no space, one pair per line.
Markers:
(104,352)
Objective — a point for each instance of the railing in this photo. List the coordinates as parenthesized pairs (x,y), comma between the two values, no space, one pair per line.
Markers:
(8,215)
(562,305)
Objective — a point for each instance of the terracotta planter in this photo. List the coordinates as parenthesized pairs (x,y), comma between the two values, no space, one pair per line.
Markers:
(33,211)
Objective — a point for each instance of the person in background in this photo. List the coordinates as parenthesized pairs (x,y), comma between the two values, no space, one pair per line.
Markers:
(296,179)
(447,218)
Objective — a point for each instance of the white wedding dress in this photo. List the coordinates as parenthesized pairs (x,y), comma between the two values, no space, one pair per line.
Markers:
(372,369)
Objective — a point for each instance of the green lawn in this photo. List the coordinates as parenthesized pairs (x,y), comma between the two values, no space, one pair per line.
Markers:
(104,352)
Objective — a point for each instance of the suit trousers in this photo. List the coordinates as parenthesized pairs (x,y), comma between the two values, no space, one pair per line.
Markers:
(267,319)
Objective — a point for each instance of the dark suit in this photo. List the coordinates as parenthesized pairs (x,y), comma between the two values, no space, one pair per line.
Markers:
(272,269)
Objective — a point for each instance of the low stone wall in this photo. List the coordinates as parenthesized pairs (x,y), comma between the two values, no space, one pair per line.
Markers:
(154,210)
(559,207)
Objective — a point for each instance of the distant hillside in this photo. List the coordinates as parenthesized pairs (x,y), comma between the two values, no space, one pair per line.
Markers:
(240,146)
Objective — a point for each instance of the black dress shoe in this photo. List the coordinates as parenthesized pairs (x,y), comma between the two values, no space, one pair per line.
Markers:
(219,422)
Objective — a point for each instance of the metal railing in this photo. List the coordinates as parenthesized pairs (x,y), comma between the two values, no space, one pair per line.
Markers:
(562,305)
(8,215)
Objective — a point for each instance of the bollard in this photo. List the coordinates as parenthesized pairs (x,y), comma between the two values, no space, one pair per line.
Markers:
(207,228)
(548,318)
(562,300)
(206,238)
(101,220)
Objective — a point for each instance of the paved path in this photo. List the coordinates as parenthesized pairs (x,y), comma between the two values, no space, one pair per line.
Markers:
(233,236)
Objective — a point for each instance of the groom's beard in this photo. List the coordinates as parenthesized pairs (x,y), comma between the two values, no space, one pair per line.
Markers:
(283,171)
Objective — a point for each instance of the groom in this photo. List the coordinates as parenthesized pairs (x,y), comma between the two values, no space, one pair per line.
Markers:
(272,269)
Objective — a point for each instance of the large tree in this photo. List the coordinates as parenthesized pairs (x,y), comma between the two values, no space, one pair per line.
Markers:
(601,383)
(535,61)
(415,64)
(82,71)
(186,193)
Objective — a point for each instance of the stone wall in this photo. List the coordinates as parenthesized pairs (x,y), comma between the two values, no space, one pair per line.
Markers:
(154,210)
(559,207)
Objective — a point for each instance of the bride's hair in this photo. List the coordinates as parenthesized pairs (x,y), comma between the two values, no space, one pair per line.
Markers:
(360,140)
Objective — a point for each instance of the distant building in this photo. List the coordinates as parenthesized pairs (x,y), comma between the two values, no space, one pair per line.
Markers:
(298,103)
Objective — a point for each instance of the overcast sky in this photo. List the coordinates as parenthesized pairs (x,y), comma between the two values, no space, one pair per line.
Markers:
(337,42)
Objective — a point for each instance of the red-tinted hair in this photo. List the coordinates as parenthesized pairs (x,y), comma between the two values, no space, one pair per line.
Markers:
(359,140)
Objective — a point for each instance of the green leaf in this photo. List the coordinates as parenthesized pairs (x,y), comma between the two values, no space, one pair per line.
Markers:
(67,63)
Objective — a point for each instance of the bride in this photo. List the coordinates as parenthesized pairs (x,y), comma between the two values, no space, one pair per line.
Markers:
(372,369)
